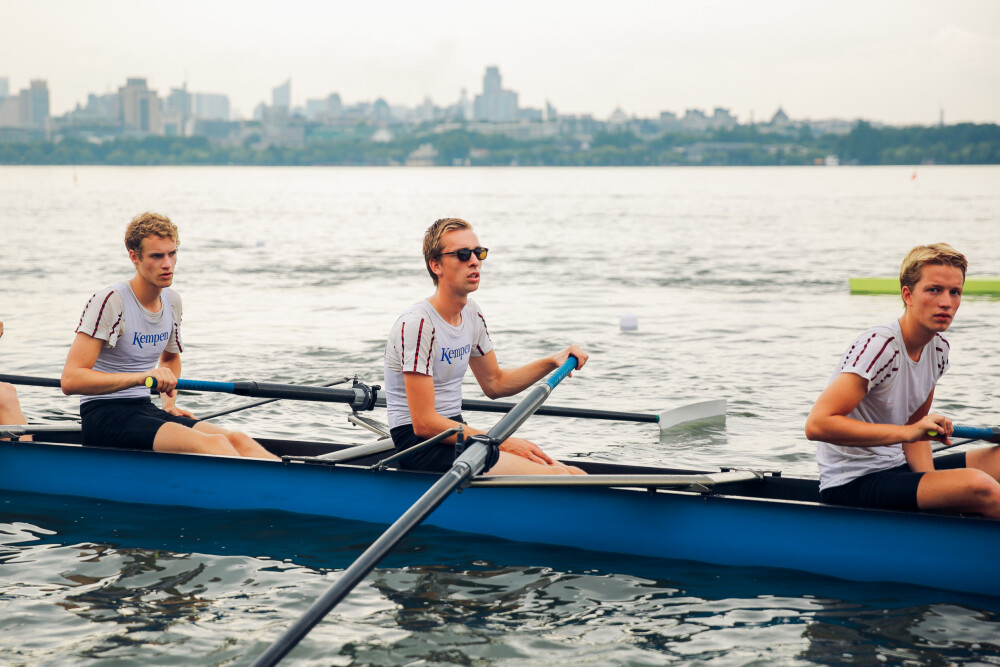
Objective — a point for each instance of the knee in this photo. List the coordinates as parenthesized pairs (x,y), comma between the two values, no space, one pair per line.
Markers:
(236,438)
(219,442)
(8,395)
(983,487)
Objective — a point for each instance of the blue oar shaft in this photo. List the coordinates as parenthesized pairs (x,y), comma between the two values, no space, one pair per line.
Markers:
(469,464)
(986,433)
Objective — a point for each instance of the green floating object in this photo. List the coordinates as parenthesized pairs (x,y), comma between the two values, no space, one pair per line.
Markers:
(983,285)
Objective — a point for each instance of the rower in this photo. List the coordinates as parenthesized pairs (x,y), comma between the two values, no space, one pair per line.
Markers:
(10,407)
(873,420)
(129,332)
(431,346)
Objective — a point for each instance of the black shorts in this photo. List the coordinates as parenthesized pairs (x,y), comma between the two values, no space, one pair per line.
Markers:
(436,458)
(126,423)
(892,489)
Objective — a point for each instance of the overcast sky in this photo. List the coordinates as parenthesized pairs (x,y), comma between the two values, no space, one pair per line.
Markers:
(895,61)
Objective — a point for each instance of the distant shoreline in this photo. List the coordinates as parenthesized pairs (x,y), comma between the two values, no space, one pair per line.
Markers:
(746,146)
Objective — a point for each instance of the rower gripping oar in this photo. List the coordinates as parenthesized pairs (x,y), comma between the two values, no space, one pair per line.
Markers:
(481,452)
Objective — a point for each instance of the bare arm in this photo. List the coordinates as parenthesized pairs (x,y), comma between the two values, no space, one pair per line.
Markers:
(172,362)
(918,454)
(427,422)
(79,376)
(828,420)
(497,382)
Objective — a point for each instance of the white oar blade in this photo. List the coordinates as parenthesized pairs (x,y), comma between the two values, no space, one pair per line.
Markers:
(713,409)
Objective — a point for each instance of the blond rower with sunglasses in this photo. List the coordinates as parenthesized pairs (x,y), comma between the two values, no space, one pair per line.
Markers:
(431,346)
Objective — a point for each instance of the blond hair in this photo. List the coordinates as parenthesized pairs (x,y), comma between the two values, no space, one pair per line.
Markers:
(149,224)
(936,253)
(433,244)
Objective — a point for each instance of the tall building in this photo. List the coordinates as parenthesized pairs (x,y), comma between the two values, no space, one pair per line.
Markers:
(179,101)
(140,107)
(4,87)
(213,106)
(495,105)
(37,112)
(281,96)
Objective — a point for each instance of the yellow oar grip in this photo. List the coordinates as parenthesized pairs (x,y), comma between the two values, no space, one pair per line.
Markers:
(933,434)
(150,382)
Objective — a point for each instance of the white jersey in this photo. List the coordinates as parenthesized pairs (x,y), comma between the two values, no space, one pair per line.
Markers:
(897,387)
(422,342)
(134,338)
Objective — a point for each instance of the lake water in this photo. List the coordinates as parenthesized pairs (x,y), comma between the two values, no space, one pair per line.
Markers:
(737,278)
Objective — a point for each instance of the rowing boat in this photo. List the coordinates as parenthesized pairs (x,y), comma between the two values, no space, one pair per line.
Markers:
(979,286)
(733,518)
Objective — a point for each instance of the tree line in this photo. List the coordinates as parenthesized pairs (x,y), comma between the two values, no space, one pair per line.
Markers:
(740,146)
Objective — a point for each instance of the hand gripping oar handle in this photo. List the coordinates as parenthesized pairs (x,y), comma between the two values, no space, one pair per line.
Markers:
(359,397)
(470,463)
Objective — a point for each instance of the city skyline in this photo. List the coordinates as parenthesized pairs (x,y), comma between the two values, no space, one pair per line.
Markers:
(893,62)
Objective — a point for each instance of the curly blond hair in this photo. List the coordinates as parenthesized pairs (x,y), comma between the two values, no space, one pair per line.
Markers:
(149,224)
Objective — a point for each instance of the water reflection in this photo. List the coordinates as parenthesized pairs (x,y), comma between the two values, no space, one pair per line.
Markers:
(222,585)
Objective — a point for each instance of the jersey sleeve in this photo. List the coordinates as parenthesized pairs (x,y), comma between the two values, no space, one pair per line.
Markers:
(412,343)
(875,356)
(942,350)
(174,343)
(102,317)
(482,343)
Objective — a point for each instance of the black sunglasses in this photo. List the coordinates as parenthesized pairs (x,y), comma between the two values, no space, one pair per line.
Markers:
(463,254)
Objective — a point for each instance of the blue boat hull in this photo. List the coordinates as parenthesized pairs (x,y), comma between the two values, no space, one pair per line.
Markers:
(724,528)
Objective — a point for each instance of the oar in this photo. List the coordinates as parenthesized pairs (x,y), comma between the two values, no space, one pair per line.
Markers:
(359,397)
(238,408)
(710,409)
(30,381)
(478,450)
(985,433)
(363,401)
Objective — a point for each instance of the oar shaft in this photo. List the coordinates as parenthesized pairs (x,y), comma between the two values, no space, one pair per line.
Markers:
(359,396)
(469,464)
(30,381)
(479,405)
(986,433)
(266,390)
(365,563)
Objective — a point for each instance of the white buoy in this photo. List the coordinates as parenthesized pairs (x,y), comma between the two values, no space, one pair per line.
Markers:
(629,323)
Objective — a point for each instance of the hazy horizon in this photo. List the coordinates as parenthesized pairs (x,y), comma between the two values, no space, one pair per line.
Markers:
(895,62)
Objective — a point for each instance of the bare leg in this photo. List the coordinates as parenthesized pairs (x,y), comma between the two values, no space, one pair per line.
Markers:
(986,459)
(173,437)
(512,464)
(960,490)
(10,408)
(242,443)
